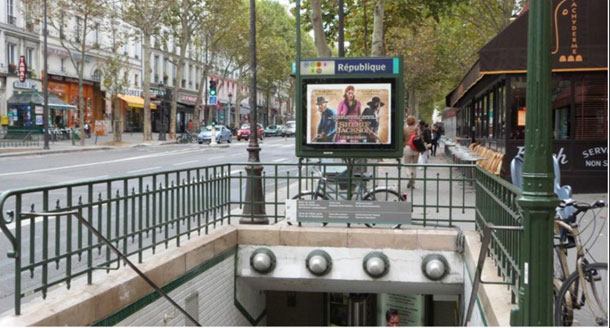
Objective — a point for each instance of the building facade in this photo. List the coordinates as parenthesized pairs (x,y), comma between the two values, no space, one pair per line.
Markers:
(490,102)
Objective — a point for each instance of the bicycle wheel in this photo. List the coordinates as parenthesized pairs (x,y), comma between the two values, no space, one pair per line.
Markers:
(577,305)
(383,195)
(309,195)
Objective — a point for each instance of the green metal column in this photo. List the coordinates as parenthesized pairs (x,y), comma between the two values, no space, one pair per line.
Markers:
(538,199)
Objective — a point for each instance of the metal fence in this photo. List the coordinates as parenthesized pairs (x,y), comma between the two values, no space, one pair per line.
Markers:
(497,205)
(148,212)
(21,141)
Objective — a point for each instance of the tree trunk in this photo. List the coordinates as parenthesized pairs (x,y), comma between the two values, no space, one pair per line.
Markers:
(177,86)
(377,47)
(146,87)
(319,37)
(117,131)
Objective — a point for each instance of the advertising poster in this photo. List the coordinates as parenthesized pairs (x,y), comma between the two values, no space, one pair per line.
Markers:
(357,113)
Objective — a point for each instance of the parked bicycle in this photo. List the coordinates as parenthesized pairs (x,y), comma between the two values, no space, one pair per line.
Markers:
(186,137)
(331,179)
(581,297)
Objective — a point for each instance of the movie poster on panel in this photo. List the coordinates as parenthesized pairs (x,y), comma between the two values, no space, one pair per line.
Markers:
(357,113)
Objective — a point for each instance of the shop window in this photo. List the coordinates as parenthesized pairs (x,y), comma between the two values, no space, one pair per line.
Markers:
(517,111)
(490,114)
(561,96)
(591,106)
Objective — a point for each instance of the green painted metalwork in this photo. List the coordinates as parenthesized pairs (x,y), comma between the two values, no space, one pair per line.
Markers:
(538,200)
(152,211)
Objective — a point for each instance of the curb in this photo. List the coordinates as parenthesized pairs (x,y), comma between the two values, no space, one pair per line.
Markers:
(44,152)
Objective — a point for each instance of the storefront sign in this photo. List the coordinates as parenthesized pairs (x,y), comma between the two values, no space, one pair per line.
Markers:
(132,92)
(23,68)
(38,109)
(58,52)
(187,98)
(157,92)
(24,85)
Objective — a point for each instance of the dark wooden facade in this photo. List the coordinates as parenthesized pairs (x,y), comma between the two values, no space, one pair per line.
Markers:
(490,101)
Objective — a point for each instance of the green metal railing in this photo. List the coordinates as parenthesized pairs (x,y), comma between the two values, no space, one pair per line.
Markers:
(497,205)
(151,211)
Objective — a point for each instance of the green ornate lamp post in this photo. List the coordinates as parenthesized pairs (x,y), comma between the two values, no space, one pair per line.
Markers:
(538,200)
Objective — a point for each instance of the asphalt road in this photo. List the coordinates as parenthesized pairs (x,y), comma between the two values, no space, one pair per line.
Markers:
(53,168)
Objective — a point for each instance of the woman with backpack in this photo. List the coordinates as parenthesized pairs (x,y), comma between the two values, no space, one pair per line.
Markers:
(411,154)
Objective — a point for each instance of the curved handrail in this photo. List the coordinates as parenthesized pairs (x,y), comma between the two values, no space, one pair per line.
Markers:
(3,224)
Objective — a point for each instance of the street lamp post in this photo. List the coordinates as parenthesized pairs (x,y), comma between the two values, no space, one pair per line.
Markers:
(45,83)
(537,200)
(228,115)
(254,209)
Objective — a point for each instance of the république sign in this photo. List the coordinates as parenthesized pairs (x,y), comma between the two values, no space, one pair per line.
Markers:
(23,68)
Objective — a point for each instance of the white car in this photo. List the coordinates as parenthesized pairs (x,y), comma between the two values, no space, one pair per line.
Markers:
(291,128)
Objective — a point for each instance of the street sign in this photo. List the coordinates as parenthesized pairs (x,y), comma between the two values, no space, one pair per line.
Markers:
(213,100)
(23,68)
(348,211)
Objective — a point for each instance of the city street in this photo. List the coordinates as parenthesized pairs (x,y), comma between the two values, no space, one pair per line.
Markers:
(69,167)
(36,170)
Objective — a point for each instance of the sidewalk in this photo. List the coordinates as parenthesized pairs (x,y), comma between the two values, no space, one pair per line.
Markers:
(128,139)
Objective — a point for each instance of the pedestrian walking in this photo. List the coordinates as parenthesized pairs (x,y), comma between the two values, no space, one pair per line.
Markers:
(411,153)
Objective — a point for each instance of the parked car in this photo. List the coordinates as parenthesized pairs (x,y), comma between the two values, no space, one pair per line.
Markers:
(291,128)
(271,130)
(244,132)
(222,134)
(280,130)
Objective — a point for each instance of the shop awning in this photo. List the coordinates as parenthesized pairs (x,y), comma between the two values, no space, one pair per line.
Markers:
(36,98)
(135,101)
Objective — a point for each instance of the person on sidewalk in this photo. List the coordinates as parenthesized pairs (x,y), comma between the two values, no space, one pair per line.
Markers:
(436,137)
(410,155)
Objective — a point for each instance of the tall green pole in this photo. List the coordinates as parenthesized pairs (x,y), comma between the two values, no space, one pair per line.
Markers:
(538,200)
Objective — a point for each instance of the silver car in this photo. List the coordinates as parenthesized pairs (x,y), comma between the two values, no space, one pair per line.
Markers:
(222,134)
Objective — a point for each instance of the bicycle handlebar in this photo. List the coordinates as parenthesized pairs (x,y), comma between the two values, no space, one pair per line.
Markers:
(580,207)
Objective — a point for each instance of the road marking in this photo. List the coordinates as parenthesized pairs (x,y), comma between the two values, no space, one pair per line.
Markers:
(195,161)
(236,171)
(92,178)
(146,169)
(280,160)
(216,157)
(170,153)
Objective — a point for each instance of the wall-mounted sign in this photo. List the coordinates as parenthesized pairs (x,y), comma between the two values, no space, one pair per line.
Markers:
(24,85)
(23,68)
(187,98)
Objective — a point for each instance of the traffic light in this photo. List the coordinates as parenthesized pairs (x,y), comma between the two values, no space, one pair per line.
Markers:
(212,90)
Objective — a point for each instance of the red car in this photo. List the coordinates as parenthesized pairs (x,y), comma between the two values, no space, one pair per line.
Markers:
(244,132)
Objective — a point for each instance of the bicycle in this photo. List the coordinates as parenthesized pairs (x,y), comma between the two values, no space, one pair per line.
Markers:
(187,137)
(325,190)
(582,296)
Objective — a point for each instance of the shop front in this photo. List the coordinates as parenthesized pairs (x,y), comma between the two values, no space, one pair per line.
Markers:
(26,112)
(490,103)
(67,90)
(184,110)
(132,110)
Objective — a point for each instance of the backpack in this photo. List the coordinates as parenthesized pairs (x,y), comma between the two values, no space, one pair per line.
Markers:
(416,143)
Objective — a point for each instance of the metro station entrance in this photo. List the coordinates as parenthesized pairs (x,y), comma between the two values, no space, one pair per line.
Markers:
(287,308)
